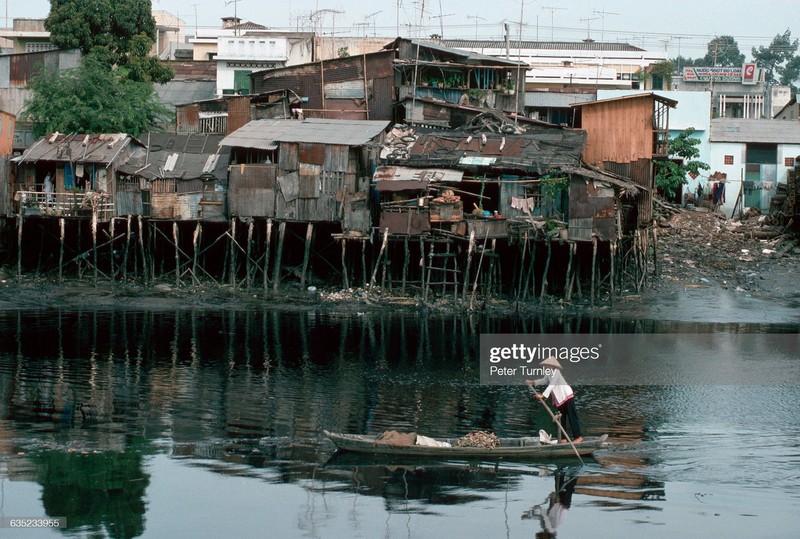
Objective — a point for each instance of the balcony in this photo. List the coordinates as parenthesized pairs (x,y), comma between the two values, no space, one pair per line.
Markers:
(72,203)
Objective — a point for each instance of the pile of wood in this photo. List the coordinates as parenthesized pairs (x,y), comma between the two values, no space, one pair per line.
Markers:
(479,438)
(447,197)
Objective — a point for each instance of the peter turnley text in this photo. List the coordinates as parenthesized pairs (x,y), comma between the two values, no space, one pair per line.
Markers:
(529,354)
(522,370)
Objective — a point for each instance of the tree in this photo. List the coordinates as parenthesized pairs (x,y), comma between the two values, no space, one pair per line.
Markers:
(92,98)
(779,60)
(723,51)
(671,173)
(118,32)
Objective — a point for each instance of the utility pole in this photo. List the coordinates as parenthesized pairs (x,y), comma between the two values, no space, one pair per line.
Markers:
(476,23)
(441,24)
(552,9)
(235,16)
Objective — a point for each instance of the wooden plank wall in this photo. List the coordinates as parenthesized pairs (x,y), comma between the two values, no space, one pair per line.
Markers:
(621,132)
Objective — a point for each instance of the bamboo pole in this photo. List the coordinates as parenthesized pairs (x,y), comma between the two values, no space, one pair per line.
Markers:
(406,262)
(364,263)
(612,248)
(521,266)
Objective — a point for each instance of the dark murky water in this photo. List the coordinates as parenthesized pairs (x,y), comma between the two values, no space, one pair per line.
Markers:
(209,424)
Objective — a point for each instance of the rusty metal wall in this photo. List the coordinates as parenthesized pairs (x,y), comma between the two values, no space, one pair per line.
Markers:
(641,173)
(187,119)
(238,113)
(381,99)
(251,190)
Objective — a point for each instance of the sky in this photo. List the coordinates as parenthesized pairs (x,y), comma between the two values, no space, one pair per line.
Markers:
(681,27)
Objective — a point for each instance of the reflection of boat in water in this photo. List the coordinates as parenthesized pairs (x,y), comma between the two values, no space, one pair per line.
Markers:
(525,448)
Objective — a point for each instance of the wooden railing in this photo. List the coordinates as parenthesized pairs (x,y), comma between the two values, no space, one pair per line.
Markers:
(66,204)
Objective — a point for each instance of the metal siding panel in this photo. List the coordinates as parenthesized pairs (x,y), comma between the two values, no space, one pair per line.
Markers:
(5,71)
(289,158)
(381,99)
(238,113)
(312,153)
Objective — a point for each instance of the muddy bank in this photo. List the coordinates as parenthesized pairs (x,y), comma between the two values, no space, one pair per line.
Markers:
(709,269)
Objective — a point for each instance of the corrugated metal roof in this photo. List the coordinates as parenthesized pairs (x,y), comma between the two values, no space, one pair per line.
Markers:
(179,156)
(468,56)
(541,45)
(181,92)
(555,99)
(266,134)
(77,148)
(660,98)
(755,131)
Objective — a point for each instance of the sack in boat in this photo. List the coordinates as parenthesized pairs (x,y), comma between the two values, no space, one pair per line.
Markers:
(545,438)
(392,437)
(479,438)
(430,442)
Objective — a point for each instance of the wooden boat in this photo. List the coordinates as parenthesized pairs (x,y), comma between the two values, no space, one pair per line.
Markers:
(524,448)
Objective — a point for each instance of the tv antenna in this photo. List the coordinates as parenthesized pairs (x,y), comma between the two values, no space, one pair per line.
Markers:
(235,16)
(552,9)
(603,21)
(441,20)
(476,23)
(588,22)
(372,16)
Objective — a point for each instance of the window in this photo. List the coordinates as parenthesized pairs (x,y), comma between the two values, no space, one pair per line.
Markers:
(788,161)
(39,46)
(728,160)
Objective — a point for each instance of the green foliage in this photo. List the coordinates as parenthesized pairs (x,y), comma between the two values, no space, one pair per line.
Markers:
(554,183)
(92,99)
(343,52)
(723,51)
(779,60)
(670,175)
(118,32)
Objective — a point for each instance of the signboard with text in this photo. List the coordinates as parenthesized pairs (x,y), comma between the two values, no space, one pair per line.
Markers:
(746,74)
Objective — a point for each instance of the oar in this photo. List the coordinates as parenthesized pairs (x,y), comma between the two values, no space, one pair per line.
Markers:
(560,426)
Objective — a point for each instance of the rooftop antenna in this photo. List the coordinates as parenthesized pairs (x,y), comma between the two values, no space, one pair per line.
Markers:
(603,21)
(364,25)
(552,9)
(588,22)
(476,23)
(397,17)
(235,16)
(372,16)
(441,19)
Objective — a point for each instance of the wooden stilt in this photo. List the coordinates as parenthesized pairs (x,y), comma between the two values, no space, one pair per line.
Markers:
(111,246)
(364,263)
(94,243)
(406,261)
(594,269)
(61,226)
(177,254)
(249,252)
(655,249)
(521,265)
(276,271)
(530,279)
(428,275)
(196,237)
(234,252)
(346,281)
(19,245)
(467,267)
(378,260)
(127,249)
(612,250)
(141,250)
(546,270)
(306,254)
(578,287)
(568,282)
(268,243)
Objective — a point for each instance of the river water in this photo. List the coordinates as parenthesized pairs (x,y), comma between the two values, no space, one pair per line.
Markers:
(209,424)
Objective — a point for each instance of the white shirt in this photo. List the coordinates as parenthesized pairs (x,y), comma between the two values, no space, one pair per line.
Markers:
(556,385)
